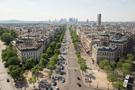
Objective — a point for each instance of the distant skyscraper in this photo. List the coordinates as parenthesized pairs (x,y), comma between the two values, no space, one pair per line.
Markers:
(73,20)
(99,19)
(87,21)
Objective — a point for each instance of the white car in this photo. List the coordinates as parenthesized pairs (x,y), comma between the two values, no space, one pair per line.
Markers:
(57,88)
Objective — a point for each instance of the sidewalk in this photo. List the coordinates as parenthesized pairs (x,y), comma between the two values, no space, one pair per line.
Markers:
(94,76)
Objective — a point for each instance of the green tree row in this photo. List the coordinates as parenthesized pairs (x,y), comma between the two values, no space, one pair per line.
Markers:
(74,37)
(113,69)
(81,61)
(7,35)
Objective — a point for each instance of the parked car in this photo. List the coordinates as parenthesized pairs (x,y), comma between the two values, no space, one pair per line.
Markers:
(56,78)
(62,67)
(79,84)
(54,83)
(8,80)
(56,88)
(61,73)
(50,88)
(78,78)
(46,88)
(63,80)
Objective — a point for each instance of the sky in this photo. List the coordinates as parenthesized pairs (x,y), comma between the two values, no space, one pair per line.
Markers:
(41,10)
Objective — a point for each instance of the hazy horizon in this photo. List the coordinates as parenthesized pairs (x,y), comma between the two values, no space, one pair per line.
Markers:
(43,10)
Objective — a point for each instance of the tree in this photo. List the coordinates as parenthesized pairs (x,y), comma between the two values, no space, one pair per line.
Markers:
(30,63)
(51,66)
(49,50)
(43,60)
(81,60)
(12,61)
(53,44)
(103,63)
(126,68)
(107,68)
(13,33)
(15,67)
(49,74)
(119,65)
(8,53)
(32,80)
(23,67)
(113,64)
(10,67)
(112,78)
(58,45)
(16,73)
(35,70)
(122,59)
(83,67)
(57,51)
(3,30)
(44,55)
(75,45)
(130,56)
(10,45)
(118,84)
(6,38)
(78,54)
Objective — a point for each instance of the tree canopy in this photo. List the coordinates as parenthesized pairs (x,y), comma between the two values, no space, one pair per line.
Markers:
(12,61)
(30,63)
(104,63)
(6,38)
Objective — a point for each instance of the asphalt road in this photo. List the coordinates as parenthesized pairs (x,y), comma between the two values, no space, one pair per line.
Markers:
(73,67)
(4,85)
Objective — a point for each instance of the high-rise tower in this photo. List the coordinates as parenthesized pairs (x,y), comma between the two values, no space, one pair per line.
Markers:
(99,19)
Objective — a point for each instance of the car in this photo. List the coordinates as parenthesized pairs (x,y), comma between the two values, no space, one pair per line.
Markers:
(54,83)
(56,88)
(79,84)
(46,88)
(8,80)
(61,73)
(78,78)
(56,78)
(62,67)
(63,80)
(50,88)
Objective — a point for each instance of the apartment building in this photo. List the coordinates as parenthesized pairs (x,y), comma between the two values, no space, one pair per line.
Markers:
(25,52)
(100,52)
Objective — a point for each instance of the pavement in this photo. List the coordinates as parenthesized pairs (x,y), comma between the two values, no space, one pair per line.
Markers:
(94,75)
(72,68)
(4,85)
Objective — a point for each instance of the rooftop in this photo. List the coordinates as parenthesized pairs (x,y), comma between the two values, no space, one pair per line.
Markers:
(27,48)
(105,48)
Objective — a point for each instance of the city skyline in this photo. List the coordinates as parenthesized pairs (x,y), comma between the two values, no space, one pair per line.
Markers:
(33,10)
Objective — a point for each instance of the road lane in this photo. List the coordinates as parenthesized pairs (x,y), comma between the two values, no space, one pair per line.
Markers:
(73,68)
(4,85)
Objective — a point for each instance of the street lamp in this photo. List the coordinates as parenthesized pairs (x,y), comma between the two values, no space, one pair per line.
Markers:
(119,84)
(108,86)
(97,84)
